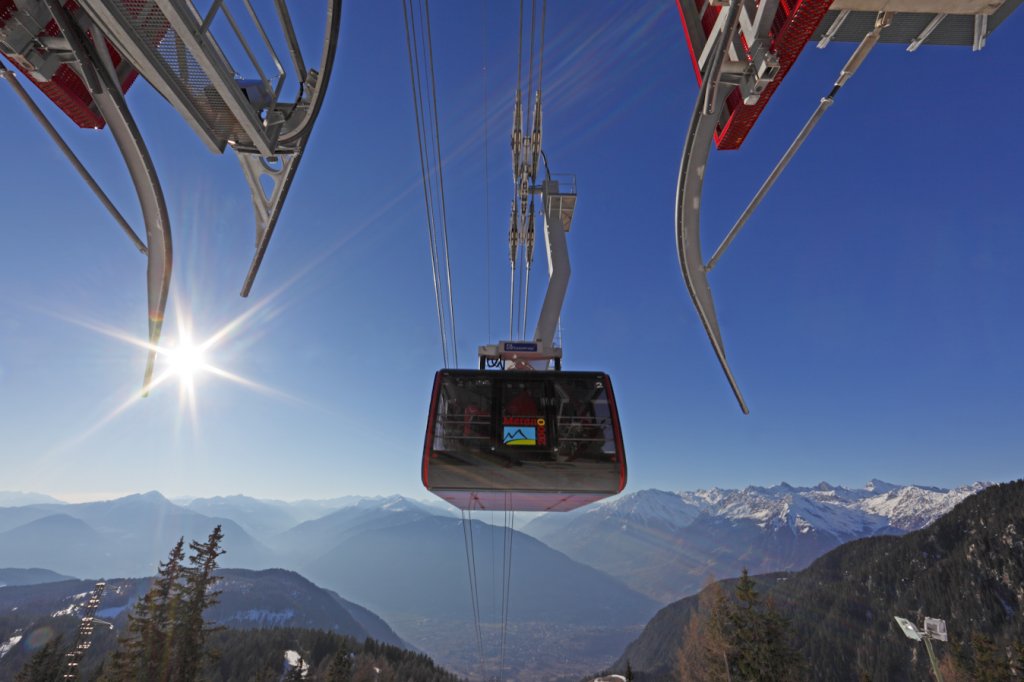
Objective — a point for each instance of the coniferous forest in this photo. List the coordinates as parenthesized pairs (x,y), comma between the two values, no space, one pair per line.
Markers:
(168,639)
(831,621)
(967,568)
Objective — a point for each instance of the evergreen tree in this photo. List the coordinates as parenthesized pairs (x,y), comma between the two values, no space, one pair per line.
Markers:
(990,665)
(759,634)
(744,623)
(46,665)
(144,652)
(1018,658)
(704,655)
(197,595)
(166,638)
(340,669)
(952,671)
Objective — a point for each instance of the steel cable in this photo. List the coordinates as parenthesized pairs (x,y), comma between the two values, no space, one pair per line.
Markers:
(487,187)
(413,72)
(440,182)
(467,532)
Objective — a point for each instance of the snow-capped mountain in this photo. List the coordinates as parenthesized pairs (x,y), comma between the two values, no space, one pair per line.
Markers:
(666,544)
(835,510)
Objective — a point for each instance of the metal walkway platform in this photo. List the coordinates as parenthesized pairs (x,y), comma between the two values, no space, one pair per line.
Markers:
(220,69)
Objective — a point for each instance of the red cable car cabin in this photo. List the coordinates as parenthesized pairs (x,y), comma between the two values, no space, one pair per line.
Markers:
(523,441)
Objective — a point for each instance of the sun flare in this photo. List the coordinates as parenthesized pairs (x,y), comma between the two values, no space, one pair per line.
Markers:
(186,361)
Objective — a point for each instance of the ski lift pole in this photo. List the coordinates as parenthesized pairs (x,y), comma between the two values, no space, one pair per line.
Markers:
(856,59)
(932,659)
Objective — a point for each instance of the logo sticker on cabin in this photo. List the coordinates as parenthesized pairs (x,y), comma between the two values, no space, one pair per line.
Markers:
(520,435)
(525,431)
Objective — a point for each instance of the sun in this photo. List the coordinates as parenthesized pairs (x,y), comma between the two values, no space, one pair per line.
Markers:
(186,360)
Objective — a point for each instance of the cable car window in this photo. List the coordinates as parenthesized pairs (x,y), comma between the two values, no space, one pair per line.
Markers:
(530,441)
(463,421)
(585,426)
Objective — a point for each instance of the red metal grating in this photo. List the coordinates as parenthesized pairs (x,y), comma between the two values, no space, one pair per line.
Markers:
(792,27)
(66,89)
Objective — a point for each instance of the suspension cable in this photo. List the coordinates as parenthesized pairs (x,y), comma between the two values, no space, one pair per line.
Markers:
(510,523)
(440,182)
(467,532)
(433,156)
(487,187)
(511,302)
(419,46)
(528,133)
(413,72)
(543,25)
(514,245)
(533,34)
(519,68)
(526,143)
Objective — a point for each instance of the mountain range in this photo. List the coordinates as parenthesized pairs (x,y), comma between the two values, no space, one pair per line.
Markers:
(583,584)
(272,598)
(401,559)
(965,568)
(123,537)
(668,544)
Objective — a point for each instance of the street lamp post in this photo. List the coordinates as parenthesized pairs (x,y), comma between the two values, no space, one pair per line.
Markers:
(934,628)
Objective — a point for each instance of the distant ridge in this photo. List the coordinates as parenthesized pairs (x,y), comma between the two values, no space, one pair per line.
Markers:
(966,568)
(15,498)
(126,536)
(667,544)
(29,576)
(249,600)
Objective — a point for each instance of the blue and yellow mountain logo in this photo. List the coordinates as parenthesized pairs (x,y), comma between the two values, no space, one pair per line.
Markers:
(520,435)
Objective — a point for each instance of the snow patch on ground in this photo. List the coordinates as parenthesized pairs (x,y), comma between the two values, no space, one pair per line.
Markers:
(292,659)
(9,644)
(844,513)
(265,617)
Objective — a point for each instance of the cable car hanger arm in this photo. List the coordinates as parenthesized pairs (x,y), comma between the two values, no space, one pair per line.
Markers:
(706,117)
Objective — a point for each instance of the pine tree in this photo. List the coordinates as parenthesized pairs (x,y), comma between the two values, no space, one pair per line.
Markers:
(744,624)
(166,639)
(1018,658)
(990,665)
(46,665)
(197,595)
(144,652)
(759,634)
(704,654)
(341,666)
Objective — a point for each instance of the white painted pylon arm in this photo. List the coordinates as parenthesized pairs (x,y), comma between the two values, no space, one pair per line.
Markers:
(558,265)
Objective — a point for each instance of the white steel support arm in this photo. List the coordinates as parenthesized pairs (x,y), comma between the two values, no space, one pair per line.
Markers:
(558,264)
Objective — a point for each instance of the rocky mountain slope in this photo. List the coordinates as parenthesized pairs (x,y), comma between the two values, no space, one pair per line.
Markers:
(667,545)
(967,568)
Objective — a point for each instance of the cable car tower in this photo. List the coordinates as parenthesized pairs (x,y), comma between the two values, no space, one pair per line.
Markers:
(84,55)
(742,50)
(83,637)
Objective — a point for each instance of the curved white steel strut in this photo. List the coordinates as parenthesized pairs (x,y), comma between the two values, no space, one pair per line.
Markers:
(696,151)
(96,69)
(85,55)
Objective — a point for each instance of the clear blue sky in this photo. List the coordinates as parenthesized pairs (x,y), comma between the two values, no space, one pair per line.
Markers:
(872,310)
